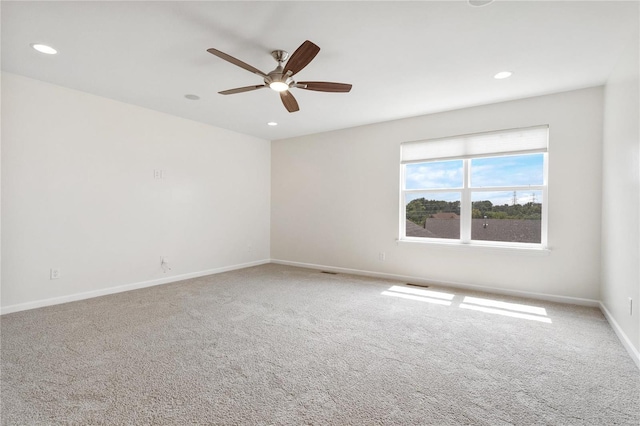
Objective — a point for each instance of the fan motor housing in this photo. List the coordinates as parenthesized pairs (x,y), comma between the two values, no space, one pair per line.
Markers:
(278,76)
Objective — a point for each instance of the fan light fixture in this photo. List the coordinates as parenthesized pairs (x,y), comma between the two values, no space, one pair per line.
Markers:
(43,48)
(279,86)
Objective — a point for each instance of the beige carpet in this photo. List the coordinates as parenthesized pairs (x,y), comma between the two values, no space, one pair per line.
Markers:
(282,345)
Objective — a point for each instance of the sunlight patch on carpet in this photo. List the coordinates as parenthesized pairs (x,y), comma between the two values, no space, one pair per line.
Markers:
(490,306)
(414,297)
(424,293)
(504,305)
(506,313)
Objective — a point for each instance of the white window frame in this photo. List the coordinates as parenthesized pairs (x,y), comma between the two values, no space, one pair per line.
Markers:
(465,196)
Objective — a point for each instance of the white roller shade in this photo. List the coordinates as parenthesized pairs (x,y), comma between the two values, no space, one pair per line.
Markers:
(513,141)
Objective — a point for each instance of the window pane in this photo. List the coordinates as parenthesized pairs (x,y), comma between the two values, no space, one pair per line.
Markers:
(513,170)
(433,215)
(511,216)
(434,175)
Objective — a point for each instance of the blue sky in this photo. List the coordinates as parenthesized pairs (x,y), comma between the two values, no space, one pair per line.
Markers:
(490,172)
(516,170)
(435,175)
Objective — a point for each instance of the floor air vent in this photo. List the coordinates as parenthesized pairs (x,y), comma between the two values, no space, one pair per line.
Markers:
(418,285)
(329,272)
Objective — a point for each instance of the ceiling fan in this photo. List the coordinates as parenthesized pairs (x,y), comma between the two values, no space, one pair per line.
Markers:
(281,78)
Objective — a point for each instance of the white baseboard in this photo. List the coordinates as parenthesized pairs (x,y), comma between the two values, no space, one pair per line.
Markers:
(418,280)
(633,352)
(119,289)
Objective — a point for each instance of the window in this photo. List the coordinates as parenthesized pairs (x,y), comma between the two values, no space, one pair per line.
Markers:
(488,188)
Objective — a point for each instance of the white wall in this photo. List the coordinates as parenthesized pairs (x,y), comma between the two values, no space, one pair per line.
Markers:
(78,193)
(621,194)
(335,199)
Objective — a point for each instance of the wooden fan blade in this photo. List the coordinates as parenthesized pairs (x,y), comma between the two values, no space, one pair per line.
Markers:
(324,86)
(236,61)
(289,101)
(301,57)
(242,89)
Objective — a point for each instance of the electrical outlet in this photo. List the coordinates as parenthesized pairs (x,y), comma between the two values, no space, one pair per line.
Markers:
(382,256)
(54,274)
(250,247)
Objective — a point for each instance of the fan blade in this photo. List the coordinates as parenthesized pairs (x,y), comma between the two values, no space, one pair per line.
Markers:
(242,89)
(301,57)
(289,101)
(235,61)
(324,86)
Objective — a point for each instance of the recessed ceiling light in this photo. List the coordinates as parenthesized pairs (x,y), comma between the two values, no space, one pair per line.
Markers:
(43,48)
(478,3)
(502,74)
(272,123)
(192,97)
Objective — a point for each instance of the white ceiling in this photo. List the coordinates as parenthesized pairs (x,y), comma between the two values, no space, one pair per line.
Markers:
(403,58)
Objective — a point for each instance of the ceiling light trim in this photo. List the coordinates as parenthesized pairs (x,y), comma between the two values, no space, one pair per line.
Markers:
(44,48)
(502,75)
(479,3)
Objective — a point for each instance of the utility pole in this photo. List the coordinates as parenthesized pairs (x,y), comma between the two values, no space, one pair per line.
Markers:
(515,198)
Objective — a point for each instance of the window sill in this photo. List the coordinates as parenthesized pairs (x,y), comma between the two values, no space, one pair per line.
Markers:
(524,249)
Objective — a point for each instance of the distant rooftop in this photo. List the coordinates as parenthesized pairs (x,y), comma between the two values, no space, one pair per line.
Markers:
(509,230)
